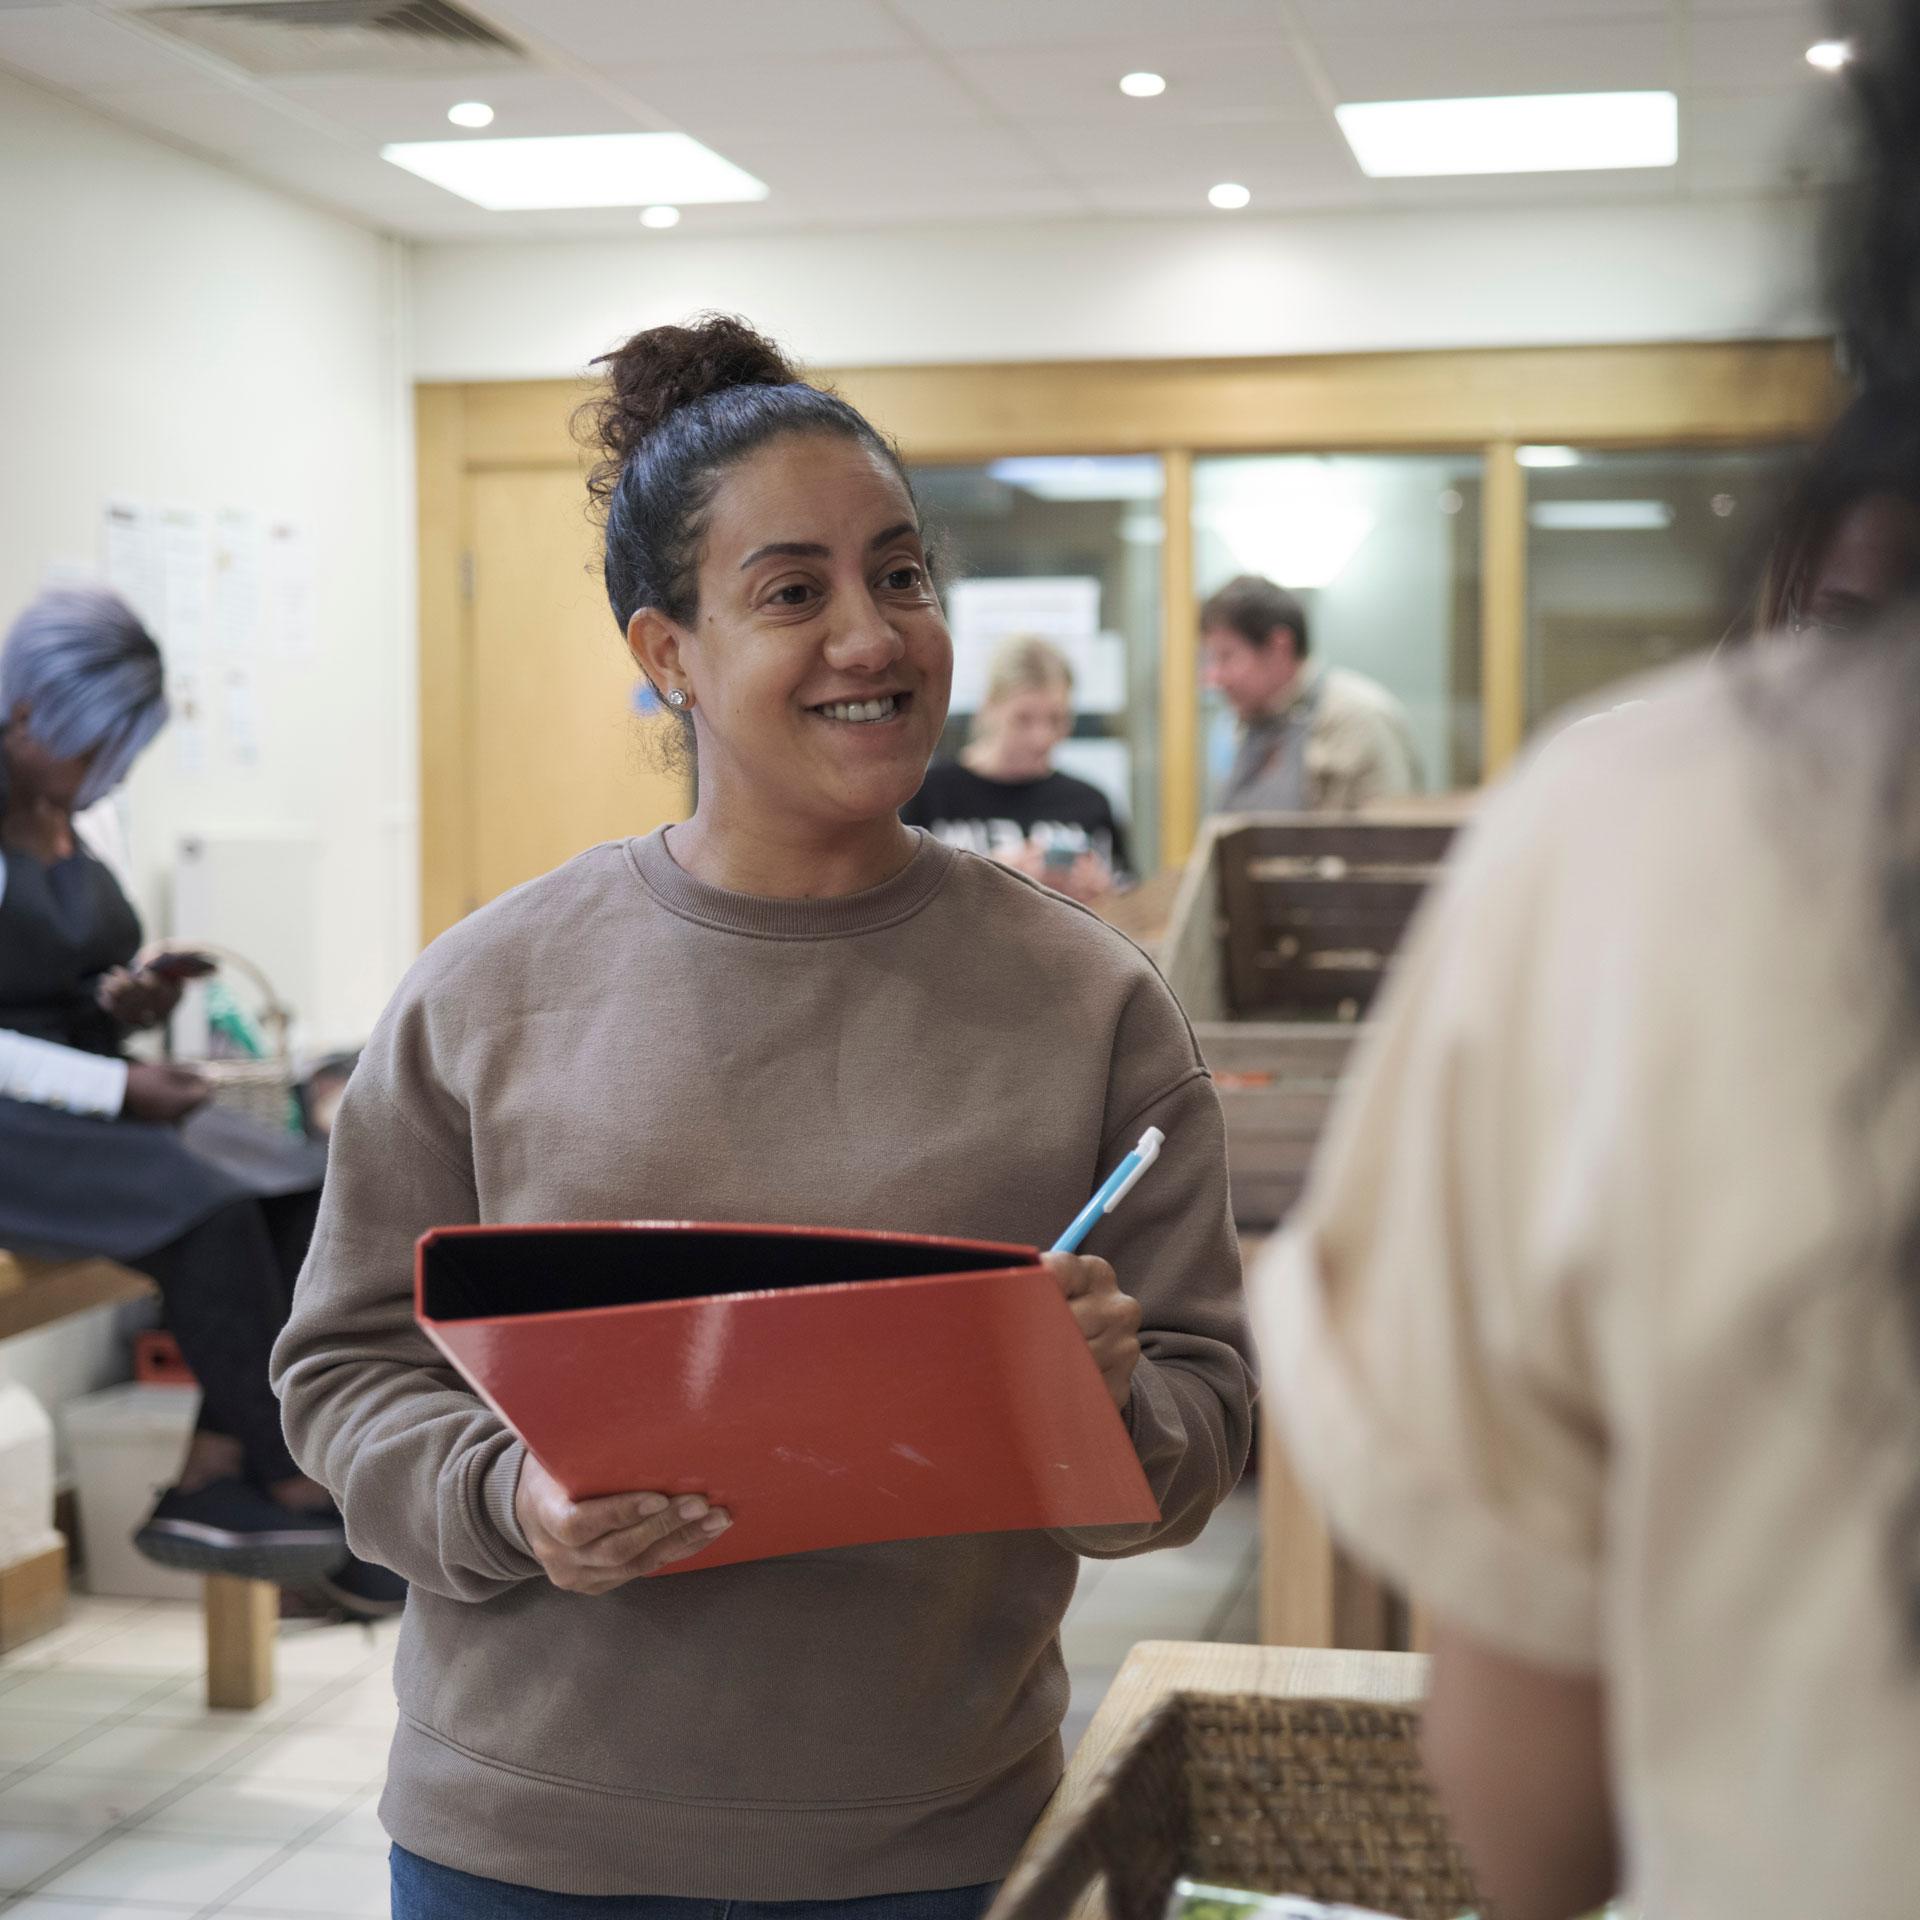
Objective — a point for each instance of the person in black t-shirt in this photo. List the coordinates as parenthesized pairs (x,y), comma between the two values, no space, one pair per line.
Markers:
(1004,798)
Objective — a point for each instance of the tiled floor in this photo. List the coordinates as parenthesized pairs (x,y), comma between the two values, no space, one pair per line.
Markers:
(121,1798)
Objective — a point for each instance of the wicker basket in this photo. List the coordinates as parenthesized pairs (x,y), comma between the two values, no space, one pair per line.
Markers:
(264,1090)
(1321,1798)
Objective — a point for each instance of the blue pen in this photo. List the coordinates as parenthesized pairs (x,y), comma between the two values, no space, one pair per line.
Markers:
(1119,1183)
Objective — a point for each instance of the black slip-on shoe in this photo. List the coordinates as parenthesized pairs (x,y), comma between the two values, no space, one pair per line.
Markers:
(230,1527)
(361,1590)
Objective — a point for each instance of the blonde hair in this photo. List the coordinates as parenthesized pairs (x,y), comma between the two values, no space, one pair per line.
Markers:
(1024,663)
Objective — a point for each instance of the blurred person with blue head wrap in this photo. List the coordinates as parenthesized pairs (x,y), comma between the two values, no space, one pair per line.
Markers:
(102,1156)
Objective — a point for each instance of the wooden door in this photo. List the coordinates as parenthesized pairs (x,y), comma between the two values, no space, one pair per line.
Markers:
(560,759)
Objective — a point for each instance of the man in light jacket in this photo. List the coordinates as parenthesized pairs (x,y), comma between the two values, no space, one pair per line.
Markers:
(1313,738)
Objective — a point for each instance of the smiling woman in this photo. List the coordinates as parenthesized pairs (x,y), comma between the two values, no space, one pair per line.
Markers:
(811,667)
(790,1009)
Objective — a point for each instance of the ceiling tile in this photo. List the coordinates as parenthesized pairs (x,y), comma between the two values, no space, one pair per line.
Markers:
(1755,50)
(82,51)
(620,32)
(1336,16)
(1136,197)
(797,96)
(222,120)
(1576,56)
(527,102)
(1256,157)
(890,206)
(858,165)
(1536,189)
(369,188)
(974,24)
(1206,81)
(1761,142)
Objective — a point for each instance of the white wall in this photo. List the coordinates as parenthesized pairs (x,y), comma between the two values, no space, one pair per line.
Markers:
(1644,270)
(173,333)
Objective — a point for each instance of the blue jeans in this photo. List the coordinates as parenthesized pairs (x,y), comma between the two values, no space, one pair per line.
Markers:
(423,1891)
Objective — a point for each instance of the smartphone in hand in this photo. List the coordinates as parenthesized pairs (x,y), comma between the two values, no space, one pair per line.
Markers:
(180,966)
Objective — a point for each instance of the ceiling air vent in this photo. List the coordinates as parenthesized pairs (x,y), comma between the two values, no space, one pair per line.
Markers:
(396,38)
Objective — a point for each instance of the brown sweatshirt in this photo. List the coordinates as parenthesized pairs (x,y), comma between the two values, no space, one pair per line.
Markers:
(956,1051)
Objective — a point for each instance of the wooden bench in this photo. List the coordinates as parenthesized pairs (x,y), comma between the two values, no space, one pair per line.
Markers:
(242,1616)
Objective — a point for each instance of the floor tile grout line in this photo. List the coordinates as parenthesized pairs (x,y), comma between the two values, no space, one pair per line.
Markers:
(247,1747)
(1245,1574)
(298,1844)
(114,1717)
(21,1671)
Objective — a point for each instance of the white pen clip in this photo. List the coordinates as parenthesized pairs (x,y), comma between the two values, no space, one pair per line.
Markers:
(1144,1155)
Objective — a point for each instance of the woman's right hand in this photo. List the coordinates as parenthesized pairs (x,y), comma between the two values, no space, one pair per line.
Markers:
(156,1091)
(593,1546)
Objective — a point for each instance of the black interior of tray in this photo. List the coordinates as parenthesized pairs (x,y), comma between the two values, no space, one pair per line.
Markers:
(484,1276)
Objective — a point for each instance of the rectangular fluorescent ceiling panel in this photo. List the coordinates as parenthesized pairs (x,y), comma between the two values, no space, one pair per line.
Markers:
(1601,516)
(1518,133)
(578,170)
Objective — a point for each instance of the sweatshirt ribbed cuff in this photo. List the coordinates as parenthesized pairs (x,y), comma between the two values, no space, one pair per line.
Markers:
(497,1489)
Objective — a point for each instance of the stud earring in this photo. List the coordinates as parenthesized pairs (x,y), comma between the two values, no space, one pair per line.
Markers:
(676,697)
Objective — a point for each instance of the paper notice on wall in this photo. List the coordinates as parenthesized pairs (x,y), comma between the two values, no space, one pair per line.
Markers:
(69,570)
(982,613)
(186,572)
(287,614)
(130,557)
(188,725)
(242,715)
(236,583)
(1099,672)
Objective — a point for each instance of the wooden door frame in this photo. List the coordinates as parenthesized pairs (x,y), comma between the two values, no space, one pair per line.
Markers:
(1491,401)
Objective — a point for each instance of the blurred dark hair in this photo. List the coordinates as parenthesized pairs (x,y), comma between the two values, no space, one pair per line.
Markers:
(1254,607)
(1873,278)
(1870,242)
(1873,449)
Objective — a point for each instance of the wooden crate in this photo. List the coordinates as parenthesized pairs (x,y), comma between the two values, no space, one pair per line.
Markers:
(1280,937)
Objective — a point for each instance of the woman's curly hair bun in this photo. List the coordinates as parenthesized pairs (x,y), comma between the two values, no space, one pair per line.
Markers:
(658,372)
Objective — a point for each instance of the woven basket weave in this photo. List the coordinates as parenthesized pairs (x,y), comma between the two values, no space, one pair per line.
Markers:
(261,1089)
(1321,1798)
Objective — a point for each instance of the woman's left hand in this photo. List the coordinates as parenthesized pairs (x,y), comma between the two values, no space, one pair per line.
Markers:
(138,999)
(1108,1318)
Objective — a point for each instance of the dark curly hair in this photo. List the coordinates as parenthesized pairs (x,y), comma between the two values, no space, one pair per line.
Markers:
(681,405)
(1872,239)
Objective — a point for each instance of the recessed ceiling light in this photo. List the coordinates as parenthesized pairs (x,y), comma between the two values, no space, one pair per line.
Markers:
(471,113)
(578,170)
(660,216)
(1547,456)
(1830,55)
(1227,196)
(1601,516)
(1517,133)
(1142,86)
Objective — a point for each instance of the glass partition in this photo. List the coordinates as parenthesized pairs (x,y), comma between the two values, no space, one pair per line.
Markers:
(1068,548)
(1637,559)
(1384,552)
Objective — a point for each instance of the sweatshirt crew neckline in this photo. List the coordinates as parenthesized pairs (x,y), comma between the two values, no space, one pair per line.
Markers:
(760,917)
